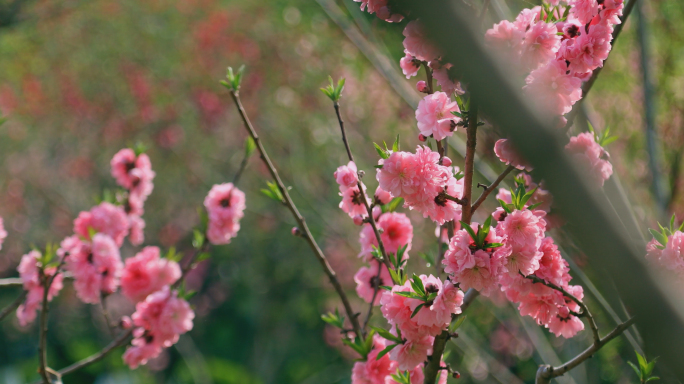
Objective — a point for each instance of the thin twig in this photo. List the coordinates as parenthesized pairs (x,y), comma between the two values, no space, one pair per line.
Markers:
(303,227)
(375,294)
(42,342)
(243,165)
(490,188)
(11,282)
(471,144)
(15,304)
(585,310)
(119,341)
(362,191)
(190,265)
(547,372)
(456,199)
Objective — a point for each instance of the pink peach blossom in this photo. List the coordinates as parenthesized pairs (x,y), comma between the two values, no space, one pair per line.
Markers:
(346,176)
(368,282)
(434,116)
(225,206)
(146,273)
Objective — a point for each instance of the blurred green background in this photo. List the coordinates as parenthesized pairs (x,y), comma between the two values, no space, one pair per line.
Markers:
(81,79)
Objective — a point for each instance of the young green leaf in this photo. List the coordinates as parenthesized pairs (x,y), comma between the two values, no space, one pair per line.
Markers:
(383,153)
(385,351)
(415,311)
(395,146)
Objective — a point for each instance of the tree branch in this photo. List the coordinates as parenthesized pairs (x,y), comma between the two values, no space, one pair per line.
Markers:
(471,144)
(15,304)
(585,310)
(360,185)
(547,372)
(490,188)
(304,228)
(42,342)
(433,361)
(11,282)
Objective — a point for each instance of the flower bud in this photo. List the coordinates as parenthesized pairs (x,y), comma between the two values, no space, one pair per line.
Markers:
(358,220)
(422,138)
(126,322)
(446,161)
(377,211)
(421,86)
(296,231)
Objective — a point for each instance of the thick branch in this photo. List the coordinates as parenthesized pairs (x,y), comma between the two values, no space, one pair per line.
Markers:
(15,304)
(585,310)
(433,365)
(547,372)
(303,227)
(490,188)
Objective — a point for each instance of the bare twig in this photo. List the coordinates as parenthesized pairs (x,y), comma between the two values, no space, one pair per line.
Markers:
(42,342)
(547,372)
(490,188)
(360,185)
(191,263)
(585,310)
(456,199)
(471,144)
(243,165)
(119,341)
(303,227)
(11,282)
(15,304)
(375,294)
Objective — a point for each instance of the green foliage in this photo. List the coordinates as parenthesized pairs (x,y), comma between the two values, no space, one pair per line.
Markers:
(402,377)
(273,192)
(334,92)
(334,319)
(480,237)
(250,146)
(519,198)
(362,347)
(661,235)
(645,368)
(234,79)
(604,138)
(392,205)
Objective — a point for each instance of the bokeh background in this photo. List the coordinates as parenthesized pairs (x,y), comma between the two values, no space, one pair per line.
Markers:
(81,79)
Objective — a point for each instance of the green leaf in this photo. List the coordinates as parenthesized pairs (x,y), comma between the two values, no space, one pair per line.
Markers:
(467,227)
(492,245)
(250,146)
(394,204)
(662,239)
(202,256)
(383,154)
(457,324)
(400,252)
(395,146)
(636,370)
(198,239)
(386,288)
(386,334)
(378,166)
(428,258)
(385,351)
(334,319)
(652,378)
(415,311)
(419,284)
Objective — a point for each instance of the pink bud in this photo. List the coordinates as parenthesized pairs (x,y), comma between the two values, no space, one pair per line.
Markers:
(126,322)
(377,211)
(383,13)
(358,220)
(422,138)
(446,161)
(296,231)
(421,86)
